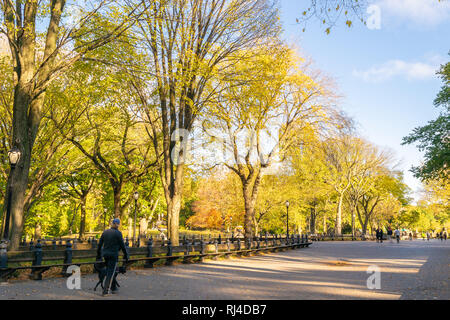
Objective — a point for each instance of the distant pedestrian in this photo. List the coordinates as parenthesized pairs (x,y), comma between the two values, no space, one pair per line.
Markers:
(441,236)
(381,235)
(377,234)
(428,236)
(389,234)
(410,236)
(397,235)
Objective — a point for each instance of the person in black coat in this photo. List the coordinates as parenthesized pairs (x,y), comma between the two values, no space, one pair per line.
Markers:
(111,242)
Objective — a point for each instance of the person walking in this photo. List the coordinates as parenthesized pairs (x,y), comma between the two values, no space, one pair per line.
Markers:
(111,241)
(428,236)
(380,233)
(389,234)
(397,235)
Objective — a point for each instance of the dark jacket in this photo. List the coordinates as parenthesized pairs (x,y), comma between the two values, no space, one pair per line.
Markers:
(111,241)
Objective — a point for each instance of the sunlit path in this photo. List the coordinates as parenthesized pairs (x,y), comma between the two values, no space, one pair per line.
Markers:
(327,270)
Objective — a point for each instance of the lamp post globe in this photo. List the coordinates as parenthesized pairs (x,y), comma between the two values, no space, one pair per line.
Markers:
(14,156)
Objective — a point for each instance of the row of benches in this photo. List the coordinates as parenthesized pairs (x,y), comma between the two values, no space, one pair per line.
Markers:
(188,252)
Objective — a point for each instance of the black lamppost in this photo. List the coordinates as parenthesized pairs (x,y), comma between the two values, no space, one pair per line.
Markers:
(14,158)
(136,197)
(287,218)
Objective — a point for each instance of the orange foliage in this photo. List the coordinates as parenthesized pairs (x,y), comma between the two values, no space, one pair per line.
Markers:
(205,219)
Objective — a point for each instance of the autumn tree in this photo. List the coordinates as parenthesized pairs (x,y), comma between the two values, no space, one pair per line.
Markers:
(372,161)
(219,192)
(312,191)
(189,42)
(384,186)
(46,165)
(105,130)
(342,156)
(40,55)
(77,185)
(259,114)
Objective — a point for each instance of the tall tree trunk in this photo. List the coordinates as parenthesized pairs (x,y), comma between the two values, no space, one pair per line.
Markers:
(352,212)
(23,138)
(83,216)
(338,226)
(249,205)
(173,217)
(366,222)
(312,221)
(27,105)
(256,225)
(117,190)
(363,223)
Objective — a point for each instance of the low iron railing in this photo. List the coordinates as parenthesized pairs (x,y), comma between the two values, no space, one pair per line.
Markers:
(188,252)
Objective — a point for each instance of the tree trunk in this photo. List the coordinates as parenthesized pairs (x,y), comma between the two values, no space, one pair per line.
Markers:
(23,138)
(364,228)
(83,217)
(312,221)
(117,190)
(338,226)
(173,218)
(249,218)
(256,225)
(352,212)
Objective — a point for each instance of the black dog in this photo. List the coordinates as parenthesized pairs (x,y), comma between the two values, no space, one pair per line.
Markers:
(100,268)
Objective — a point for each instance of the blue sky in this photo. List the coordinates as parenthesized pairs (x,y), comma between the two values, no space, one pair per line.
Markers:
(387,75)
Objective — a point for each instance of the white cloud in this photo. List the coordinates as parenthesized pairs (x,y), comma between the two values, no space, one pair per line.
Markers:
(421,12)
(399,68)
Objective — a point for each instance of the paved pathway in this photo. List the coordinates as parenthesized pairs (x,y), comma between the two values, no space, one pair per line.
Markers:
(326,270)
